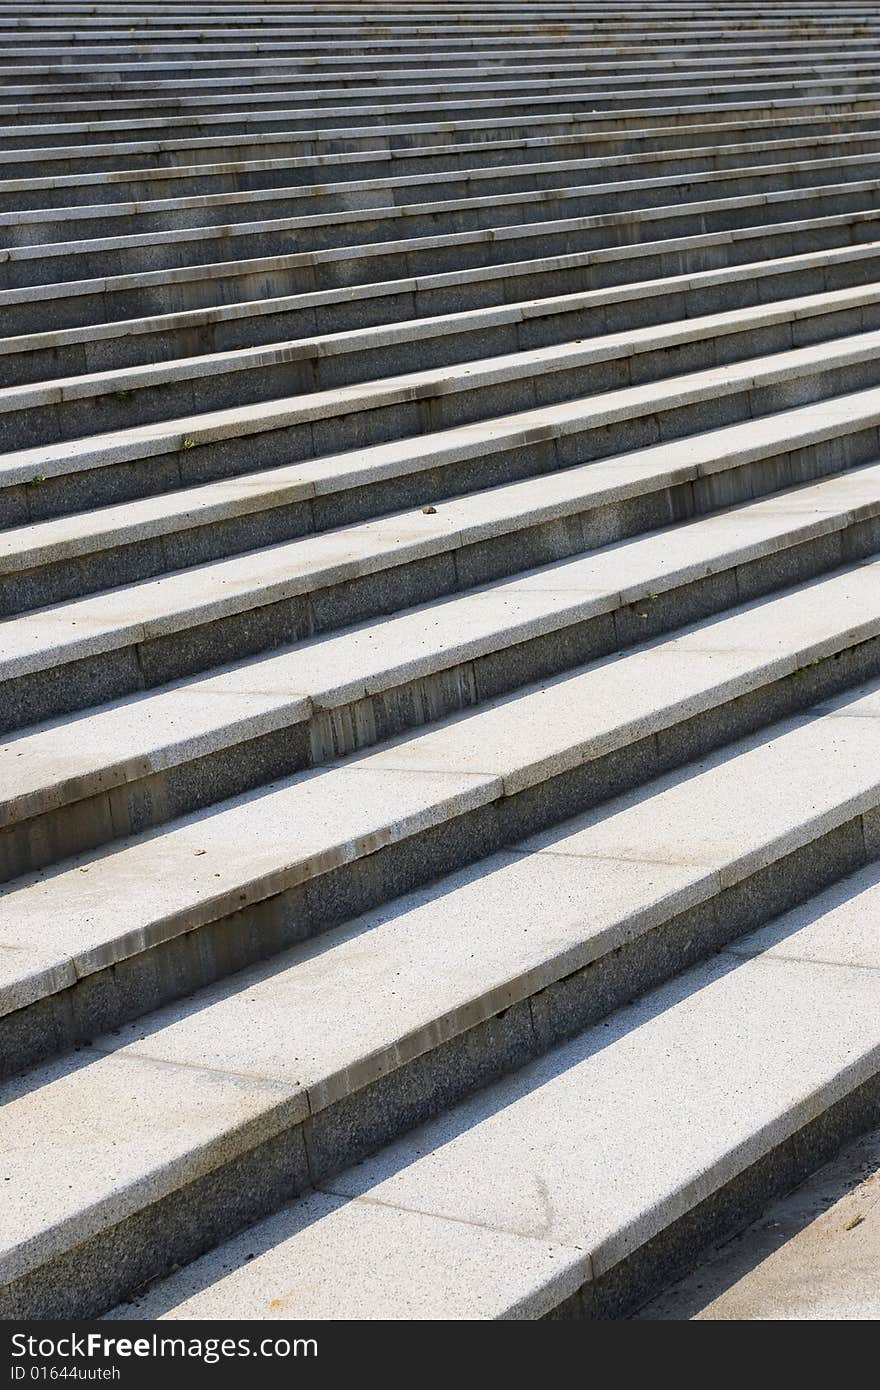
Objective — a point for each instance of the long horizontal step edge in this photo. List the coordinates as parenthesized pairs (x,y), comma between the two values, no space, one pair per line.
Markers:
(42,772)
(146,207)
(652,338)
(610,294)
(843,739)
(66,925)
(415,1234)
(541,422)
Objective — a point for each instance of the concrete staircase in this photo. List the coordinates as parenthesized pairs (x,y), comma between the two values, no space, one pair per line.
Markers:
(439,644)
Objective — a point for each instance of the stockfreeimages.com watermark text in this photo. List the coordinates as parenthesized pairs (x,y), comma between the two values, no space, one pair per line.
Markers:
(28,1352)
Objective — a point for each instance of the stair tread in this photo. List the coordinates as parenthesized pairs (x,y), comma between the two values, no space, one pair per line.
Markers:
(247,848)
(150,440)
(203,593)
(614,294)
(545,1101)
(596,347)
(540,1182)
(42,768)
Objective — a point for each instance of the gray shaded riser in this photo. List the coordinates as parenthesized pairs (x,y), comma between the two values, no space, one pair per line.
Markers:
(91,1276)
(154,798)
(522,173)
(337,114)
(317,164)
(320,70)
(218,19)
(642,24)
(139,97)
(91,351)
(624,1289)
(385,215)
(277,84)
(448,404)
(398,131)
(388,31)
(31,23)
(185,465)
(348,260)
(225,35)
(146,664)
(403,211)
(80,304)
(78,66)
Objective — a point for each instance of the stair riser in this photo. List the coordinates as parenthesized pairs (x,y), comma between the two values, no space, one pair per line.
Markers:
(111,1265)
(291,200)
(431,151)
(68,419)
(98,817)
(605,315)
(368,111)
(714,251)
(353,264)
(405,131)
(491,556)
(200,463)
(471,183)
(655,1265)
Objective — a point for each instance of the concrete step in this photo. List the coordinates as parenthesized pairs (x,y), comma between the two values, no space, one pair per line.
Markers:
(456,147)
(548,342)
(380,38)
(54,63)
(534,1199)
(223,29)
(684,60)
(112,299)
(426,205)
(228,1100)
(126,63)
(445,102)
(121,193)
(435,431)
(487,299)
(389,127)
(143,760)
(280,83)
(113,97)
(494,237)
(809,1255)
(479,301)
